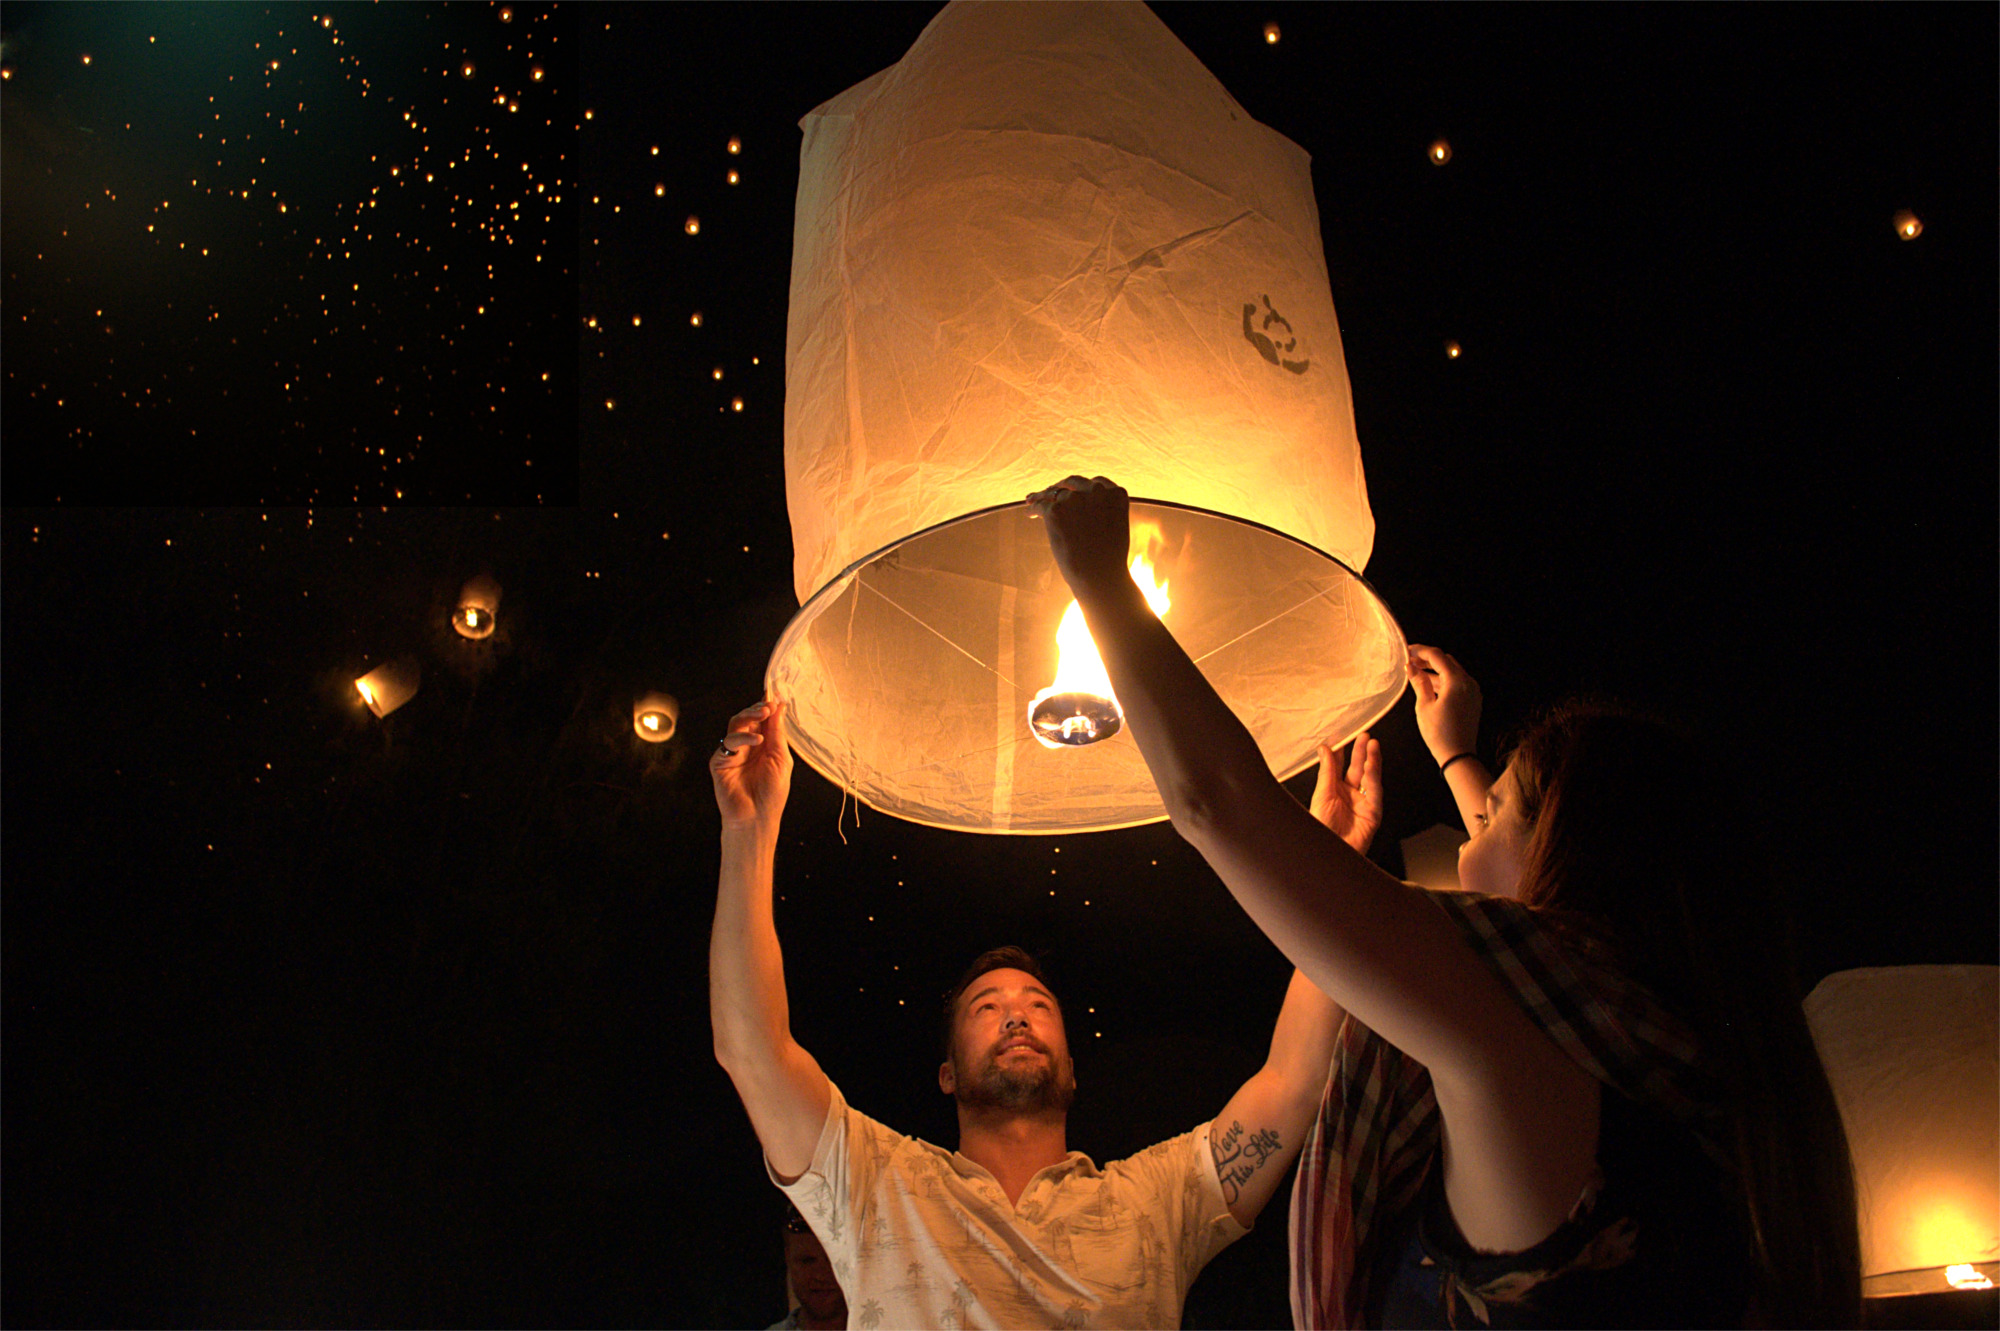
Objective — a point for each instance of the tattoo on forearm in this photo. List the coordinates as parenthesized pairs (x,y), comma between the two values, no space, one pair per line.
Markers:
(1238,1156)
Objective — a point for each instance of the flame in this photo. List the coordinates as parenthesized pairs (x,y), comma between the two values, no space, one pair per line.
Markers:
(1966,1276)
(367,693)
(1079,669)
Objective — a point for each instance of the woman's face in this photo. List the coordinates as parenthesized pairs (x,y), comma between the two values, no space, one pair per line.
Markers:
(1490,863)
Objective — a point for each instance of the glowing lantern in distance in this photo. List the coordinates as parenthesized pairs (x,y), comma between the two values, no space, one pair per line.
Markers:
(735,146)
(1908,226)
(967,326)
(1451,350)
(1911,1052)
(477,601)
(1271,34)
(655,716)
(466,69)
(694,226)
(389,685)
(1440,152)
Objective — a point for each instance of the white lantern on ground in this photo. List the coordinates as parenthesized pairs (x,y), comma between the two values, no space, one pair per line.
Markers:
(1048,242)
(1913,1053)
(477,602)
(655,717)
(389,685)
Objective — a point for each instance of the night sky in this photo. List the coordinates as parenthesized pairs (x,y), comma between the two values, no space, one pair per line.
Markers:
(318,1019)
(290,254)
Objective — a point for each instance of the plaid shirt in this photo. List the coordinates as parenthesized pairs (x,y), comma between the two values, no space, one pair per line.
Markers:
(1367,1154)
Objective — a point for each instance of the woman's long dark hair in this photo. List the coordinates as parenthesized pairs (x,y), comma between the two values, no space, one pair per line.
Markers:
(1632,823)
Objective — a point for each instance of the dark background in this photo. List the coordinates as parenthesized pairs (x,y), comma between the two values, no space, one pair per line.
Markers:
(289,253)
(315,1019)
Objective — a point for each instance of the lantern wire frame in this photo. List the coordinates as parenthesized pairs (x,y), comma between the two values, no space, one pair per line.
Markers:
(834,753)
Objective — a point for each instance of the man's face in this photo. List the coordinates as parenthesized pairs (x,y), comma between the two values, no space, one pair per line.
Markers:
(1008,1049)
(812,1278)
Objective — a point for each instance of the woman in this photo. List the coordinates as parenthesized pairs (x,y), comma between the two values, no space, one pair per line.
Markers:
(1470,1166)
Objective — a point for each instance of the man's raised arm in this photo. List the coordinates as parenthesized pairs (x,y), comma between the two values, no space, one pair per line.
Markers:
(780,1083)
(1258,1133)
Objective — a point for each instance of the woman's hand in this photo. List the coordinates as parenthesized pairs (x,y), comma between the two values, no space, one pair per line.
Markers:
(1447,703)
(1352,804)
(754,777)
(1090,533)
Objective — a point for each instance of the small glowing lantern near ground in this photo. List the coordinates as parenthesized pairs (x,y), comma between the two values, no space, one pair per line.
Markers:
(1048,242)
(1913,1053)
(1907,225)
(655,716)
(389,685)
(477,602)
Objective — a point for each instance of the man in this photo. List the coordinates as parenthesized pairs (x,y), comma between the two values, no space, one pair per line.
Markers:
(1013,1228)
(821,1305)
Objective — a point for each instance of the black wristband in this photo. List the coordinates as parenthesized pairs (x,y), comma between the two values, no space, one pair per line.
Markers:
(1445,766)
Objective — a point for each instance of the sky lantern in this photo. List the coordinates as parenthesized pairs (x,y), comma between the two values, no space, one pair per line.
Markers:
(477,601)
(1907,225)
(655,716)
(1911,1052)
(1271,34)
(1440,152)
(389,685)
(1047,242)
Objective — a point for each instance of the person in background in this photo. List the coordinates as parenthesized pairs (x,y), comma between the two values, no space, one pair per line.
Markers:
(1580,1092)
(1013,1229)
(821,1306)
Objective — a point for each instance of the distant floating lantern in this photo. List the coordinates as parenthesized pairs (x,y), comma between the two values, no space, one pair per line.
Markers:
(735,146)
(1451,350)
(535,73)
(1440,153)
(1908,226)
(694,226)
(736,404)
(967,328)
(635,321)
(1911,1053)
(733,177)
(718,372)
(1271,34)
(695,318)
(660,192)
(389,685)
(477,602)
(466,69)
(655,716)
(86,59)
(506,15)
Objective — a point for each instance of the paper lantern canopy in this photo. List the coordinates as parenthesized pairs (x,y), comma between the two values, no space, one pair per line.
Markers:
(1048,242)
(655,716)
(389,685)
(477,602)
(1913,1053)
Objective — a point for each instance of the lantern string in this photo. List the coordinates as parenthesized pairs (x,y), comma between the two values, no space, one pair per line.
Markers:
(947,641)
(1321,594)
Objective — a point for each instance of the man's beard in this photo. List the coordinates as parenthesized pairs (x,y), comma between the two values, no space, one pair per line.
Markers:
(1017,1090)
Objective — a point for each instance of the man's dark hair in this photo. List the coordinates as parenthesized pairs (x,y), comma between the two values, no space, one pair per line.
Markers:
(993,959)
